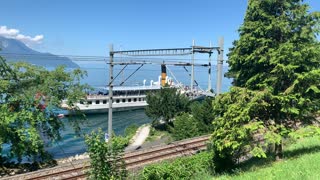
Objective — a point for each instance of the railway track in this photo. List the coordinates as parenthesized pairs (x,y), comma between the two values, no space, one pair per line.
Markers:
(133,160)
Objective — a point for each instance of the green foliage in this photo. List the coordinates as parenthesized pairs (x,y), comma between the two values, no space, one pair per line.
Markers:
(307,131)
(158,134)
(166,104)
(301,162)
(181,168)
(130,131)
(234,111)
(199,122)
(276,77)
(28,96)
(120,142)
(202,112)
(106,159)
(185,126)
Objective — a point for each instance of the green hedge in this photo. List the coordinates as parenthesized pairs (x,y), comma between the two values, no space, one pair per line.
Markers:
(181,168)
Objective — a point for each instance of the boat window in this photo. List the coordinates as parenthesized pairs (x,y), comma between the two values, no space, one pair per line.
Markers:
(135,100)
(89,102)
(97,102)
(123,100)
(129,100)
(139,99)
(117,101)
(104,101)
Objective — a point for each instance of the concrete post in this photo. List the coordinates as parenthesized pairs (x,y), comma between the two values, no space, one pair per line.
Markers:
(110,94)
(192,67)
(219,65)
(209,70)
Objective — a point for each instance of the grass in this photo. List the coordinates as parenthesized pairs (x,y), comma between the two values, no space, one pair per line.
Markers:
(159,134)
(302,161)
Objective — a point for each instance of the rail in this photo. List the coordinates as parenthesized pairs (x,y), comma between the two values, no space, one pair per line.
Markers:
(133,160)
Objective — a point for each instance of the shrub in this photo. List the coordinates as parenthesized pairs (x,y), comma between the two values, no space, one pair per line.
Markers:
(185,126)
(130,131)
(106,161)
(181,168)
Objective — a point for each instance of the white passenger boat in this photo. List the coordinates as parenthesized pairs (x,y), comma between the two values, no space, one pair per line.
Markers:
(124,98)
(127,97)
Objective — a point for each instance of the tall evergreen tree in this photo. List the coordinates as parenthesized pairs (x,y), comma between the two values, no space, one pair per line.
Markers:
(276,78)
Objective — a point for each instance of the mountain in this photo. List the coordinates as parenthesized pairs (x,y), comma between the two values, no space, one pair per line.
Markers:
(13,51)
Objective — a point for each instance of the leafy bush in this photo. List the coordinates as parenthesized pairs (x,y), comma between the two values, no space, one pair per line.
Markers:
(106,161)
(199,122)
(120,142)
(130,131)
(185,126)
(181,168)
(166,104)
(203,114)
(29,96)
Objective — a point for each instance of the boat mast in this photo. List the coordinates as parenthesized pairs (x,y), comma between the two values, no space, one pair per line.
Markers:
(209,70)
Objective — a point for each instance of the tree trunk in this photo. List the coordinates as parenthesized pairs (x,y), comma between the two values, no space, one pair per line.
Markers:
(278,151)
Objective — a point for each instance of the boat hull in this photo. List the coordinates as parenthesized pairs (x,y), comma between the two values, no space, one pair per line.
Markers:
(104,108)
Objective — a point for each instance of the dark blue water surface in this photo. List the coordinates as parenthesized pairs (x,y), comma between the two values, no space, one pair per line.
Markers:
(71,144)
(98,77)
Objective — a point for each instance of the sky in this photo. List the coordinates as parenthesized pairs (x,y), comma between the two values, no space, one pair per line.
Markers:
(75,27)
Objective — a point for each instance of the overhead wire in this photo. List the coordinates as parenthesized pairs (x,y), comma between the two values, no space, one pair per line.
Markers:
(118,74)
(130,75)
(97,58)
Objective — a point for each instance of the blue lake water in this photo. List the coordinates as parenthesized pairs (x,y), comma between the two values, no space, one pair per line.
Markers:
(98,77)
(72,144)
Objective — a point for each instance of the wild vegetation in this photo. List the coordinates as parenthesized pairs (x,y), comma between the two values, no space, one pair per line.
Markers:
(195,123)
(165,105)
(275,94)
(106,158)
(181,168)
(276,81)
(301,159)
(181,117)
(274,99)
(29,96)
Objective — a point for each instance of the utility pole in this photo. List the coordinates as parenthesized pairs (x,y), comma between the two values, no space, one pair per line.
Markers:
(111,53)
(192,66)
(219,65)
(209,70)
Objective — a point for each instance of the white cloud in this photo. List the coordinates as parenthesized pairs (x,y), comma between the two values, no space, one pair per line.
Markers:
(15,34)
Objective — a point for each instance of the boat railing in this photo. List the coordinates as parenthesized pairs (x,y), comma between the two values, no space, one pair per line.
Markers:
(96,96)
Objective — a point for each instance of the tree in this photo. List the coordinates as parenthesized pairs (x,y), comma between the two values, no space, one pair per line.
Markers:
(29,96)
(185,126)
(196,123)
(165,104)
(202,112)
(276,78)
(106,159)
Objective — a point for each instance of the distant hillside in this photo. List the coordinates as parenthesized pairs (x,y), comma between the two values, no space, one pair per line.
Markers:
(13,51)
